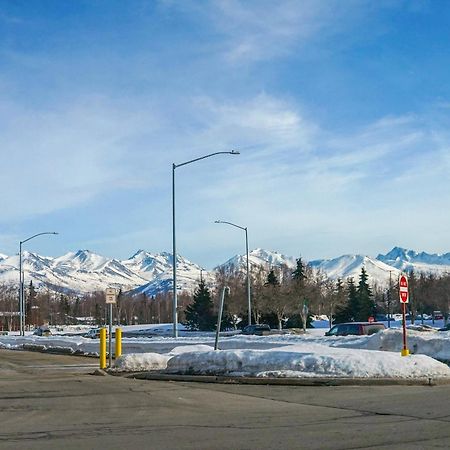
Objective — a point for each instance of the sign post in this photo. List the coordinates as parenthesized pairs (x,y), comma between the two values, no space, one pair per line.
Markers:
(111,297)
(404,299)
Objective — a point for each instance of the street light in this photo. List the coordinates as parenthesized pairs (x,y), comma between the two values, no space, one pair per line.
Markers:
(21,278)
(174,251)
(248,267)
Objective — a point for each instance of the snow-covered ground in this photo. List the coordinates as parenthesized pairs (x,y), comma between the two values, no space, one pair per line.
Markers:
(312,354)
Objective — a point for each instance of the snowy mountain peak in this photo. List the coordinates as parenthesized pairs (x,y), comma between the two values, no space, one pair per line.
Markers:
(82,260)
(395,253)
(349,266)
(408,260)
(260,258)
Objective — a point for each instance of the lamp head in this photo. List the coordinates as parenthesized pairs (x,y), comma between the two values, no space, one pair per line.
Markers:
(234,152)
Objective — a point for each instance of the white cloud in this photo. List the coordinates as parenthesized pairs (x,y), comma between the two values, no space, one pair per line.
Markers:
(53,159)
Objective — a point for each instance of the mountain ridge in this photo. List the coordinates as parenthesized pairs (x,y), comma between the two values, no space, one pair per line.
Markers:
(150,273)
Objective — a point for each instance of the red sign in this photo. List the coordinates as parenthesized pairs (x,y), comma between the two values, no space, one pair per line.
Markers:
(371,319)
(403,289)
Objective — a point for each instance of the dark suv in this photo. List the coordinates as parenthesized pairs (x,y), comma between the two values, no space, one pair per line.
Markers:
(355,328)
(258,329)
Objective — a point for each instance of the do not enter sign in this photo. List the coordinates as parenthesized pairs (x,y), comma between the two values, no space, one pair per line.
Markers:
(403,289)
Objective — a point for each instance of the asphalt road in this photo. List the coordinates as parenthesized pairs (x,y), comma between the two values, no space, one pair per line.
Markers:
(52,402)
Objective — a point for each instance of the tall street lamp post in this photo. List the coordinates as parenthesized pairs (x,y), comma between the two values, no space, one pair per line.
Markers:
(21,278)
(249,303)
(174,251)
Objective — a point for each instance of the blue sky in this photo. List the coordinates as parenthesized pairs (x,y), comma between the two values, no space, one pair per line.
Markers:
(341,112)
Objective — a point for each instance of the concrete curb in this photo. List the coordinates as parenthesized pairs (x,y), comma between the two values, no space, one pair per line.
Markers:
(316,381)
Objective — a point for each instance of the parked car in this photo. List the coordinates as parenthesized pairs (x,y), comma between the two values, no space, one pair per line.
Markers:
(42,331)
(94,333)
(355,328)
(438,315)
(258,329)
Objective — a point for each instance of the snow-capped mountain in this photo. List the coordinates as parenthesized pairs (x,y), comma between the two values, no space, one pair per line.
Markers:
(260,257)
(85,271)
(349,266)
(157,269)
(407,260)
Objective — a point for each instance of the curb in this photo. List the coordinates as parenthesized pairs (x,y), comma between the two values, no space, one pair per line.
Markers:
(316,381)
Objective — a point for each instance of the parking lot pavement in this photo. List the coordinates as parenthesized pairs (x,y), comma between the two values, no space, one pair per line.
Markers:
(52,402)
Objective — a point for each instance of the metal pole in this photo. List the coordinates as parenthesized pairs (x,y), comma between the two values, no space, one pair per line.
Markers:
(21,281)
(389,301)
(248,281)
(21,329)
(174,251)
(219,317)
(174,259)
(405,351)
(249,303)
(110,335)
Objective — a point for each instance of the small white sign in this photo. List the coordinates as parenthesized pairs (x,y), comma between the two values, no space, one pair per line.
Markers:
(111,296)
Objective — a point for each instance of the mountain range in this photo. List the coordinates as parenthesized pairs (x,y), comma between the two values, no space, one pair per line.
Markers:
(145,272)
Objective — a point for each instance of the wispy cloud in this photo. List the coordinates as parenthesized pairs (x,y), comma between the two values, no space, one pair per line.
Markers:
(258,30)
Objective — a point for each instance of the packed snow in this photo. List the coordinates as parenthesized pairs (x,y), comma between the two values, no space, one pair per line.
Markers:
(281,355)
(307,360)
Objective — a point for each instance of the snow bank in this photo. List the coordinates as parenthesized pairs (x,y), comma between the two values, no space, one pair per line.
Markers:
(309,360)
(141,362)
(436,345)
(138,362)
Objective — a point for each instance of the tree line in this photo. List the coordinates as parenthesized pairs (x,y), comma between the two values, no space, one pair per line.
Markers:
(281,297)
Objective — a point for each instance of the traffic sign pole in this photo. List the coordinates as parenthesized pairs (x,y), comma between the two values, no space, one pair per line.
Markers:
(404,299)
(110,334)
(111,297)
(405,351)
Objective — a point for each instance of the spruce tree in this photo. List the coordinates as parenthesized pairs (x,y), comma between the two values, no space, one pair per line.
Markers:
(199,314)
(30,303)
(348,310)
(299,273)
(366,304)
(272,279)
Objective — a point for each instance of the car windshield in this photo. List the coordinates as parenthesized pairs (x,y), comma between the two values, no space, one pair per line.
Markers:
(333,331)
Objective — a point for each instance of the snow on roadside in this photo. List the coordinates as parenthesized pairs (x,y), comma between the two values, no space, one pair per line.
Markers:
(138,362)
(302,360)
(436,345)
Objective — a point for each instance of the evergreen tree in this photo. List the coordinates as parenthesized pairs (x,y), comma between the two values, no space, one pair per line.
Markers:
(76,308)
(30,303)
(64,308)
(199,314)
(339,302)
(272,279)
(366,304)
(299,273)
(348,310)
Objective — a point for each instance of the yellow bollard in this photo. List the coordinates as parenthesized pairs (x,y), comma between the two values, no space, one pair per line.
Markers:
(103,348)
(118,343)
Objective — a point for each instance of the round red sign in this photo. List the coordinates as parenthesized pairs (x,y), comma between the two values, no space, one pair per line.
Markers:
(403,289)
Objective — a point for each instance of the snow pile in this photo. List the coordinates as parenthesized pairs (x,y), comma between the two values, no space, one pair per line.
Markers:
(307,360)
(138,362)
(436,345)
